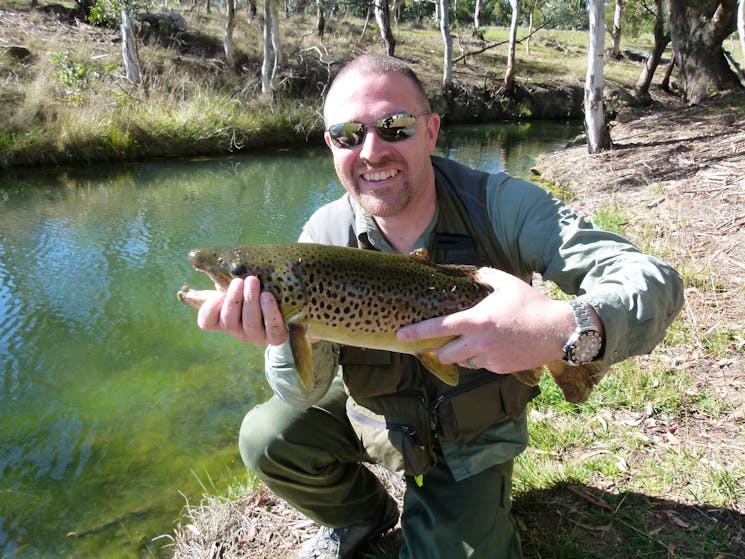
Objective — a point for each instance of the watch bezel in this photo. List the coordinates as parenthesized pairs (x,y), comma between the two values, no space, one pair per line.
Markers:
(585,343)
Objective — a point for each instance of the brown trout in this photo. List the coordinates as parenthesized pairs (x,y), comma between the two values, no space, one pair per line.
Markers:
(360,298)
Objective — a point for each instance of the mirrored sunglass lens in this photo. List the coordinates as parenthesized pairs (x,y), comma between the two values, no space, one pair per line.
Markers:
(347,134)
(397,127)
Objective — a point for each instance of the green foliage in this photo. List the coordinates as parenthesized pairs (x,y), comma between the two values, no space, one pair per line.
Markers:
(76,76)
(106,12)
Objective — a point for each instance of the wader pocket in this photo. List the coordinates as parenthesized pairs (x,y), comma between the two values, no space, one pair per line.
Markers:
(466,411)
(401,447)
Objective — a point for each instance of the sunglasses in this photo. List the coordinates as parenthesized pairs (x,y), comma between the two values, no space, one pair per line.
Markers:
(391,128)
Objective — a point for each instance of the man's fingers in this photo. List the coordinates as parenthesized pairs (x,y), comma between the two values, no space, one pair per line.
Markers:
(208,316)
(274,325)
(439,327)
(252,322)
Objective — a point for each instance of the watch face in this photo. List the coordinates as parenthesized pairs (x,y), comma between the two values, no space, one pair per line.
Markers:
(586,348)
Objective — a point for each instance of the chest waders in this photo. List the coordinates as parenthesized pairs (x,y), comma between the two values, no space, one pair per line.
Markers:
(398,409)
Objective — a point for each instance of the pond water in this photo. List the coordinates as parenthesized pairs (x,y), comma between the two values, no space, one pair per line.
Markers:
(115,410)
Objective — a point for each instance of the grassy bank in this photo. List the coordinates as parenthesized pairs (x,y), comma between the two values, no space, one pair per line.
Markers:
(66,101)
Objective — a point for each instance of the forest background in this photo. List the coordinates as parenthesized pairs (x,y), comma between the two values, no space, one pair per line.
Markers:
(652,465)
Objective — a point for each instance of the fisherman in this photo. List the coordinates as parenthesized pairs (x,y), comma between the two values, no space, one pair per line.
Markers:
(455,446)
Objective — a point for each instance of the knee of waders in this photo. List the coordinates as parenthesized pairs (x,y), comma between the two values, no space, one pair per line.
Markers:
(255,437)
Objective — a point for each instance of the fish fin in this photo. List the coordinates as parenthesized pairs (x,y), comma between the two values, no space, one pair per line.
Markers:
(576,381)
(531,378)
(420,255)
(446,373)
(302,354)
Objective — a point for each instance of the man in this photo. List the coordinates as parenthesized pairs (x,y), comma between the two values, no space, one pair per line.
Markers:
(455,446)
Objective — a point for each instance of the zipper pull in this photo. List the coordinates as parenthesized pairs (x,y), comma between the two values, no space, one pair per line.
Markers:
(419,480)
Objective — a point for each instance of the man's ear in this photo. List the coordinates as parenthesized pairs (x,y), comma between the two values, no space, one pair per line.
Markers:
(433,128)
(327,139)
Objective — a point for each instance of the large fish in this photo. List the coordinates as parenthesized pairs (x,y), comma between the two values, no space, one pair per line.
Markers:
(361,298)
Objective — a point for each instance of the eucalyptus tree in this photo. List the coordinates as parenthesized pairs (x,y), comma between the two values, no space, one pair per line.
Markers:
(615,29)
(697,29)
(447,40)
(598,136)
(383,19)
(509,75)
(110,10)
(741,26)
(478,11)
(272,50)
(229,27)
(661,40)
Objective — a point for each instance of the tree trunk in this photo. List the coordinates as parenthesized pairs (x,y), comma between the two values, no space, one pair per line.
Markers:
(320,19)
(741,27)
(447,65)
(697,29)
(665,84)
(661,40)
(129,50)
(477,11)
(598,136)
(530,31)
(615,33)
(229,26)
(382,17)
(509,75)
(276,47)
(266,65)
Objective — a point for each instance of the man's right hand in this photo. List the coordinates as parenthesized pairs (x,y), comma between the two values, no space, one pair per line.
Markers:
(244,312)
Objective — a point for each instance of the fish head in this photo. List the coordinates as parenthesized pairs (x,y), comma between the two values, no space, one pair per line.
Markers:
(224,264)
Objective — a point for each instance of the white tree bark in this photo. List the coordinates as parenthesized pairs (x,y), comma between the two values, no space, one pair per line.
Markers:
(615,32)
(266,65)
(598,137)
(447,66)
(509,75)
(229,26)
(129,50)
(741,25)
(276,47)
(477,11)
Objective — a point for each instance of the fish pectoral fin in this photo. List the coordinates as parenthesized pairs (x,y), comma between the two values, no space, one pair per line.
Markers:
(446,373)
(576,382)
(531,377)
(302,354)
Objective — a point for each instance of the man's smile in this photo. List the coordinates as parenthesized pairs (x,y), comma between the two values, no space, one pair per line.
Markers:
(379,175)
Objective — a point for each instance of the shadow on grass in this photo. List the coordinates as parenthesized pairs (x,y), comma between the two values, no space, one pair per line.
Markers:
(575,521)
(569,521)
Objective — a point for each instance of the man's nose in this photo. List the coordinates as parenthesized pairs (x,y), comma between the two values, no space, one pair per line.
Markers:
(373,146)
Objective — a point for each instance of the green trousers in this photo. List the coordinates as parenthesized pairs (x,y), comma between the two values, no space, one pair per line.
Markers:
(313,459)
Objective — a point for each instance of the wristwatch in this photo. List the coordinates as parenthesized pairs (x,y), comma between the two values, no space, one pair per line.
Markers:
(585,343)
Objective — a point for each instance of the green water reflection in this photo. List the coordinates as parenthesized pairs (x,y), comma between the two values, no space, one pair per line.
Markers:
(115,407)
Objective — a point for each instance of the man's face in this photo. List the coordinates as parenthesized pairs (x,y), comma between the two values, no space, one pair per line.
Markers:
(385,177)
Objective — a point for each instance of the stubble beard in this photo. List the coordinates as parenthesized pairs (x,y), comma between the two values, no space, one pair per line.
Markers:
(385,202)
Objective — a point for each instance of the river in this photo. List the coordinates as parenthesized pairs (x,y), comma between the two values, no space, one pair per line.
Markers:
(115,409)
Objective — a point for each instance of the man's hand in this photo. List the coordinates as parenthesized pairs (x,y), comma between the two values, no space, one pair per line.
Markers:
(515,328)
(244,312)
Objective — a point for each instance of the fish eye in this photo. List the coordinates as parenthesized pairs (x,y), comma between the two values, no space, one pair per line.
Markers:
(239,270)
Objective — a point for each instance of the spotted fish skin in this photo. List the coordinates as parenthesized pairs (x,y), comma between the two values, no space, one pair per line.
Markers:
(349,296)
(362,298)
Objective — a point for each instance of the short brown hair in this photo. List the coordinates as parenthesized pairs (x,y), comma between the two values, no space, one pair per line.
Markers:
(382,64)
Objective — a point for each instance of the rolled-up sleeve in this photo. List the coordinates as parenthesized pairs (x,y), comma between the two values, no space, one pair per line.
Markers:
(637,296)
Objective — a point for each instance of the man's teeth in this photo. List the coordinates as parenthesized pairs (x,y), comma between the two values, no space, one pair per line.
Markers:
(381,176)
